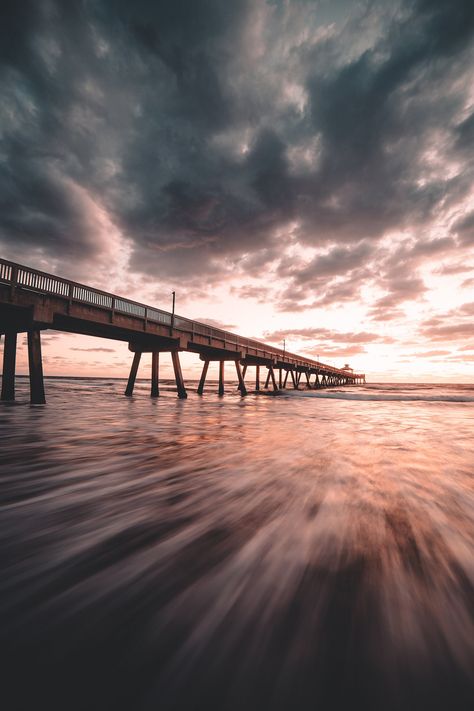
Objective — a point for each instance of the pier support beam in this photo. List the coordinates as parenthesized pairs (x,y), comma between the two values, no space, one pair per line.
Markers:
(244,371)
(286,378)
(221,377)
(202,381)
(267,380)
(272,374)
(37,396)
(9,364)
(133,374)
(242,388)
(295,384)
(257,377)
(182,394)
(155,374)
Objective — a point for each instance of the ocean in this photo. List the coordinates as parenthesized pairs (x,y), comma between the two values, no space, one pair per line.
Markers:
(312,550)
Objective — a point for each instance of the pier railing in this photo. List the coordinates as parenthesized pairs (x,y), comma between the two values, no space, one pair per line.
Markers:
(19,276)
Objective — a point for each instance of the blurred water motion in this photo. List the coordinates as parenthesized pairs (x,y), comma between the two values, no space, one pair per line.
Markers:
(299,552)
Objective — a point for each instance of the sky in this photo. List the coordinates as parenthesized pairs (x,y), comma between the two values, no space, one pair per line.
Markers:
(294,169)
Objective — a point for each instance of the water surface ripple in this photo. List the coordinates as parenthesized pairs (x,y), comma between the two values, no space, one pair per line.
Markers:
(307,551)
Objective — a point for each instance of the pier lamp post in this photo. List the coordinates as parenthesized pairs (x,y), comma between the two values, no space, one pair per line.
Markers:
(284,348)
(172,310)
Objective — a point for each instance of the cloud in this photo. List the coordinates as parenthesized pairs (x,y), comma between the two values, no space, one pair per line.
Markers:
(464,229)
(429,354)
(466,309)
(451,332)
(324,352)
(249,291)
(305,156)
(94,350)
(311,334)
(217,324)
(453,269)
(204,131)
(337,261)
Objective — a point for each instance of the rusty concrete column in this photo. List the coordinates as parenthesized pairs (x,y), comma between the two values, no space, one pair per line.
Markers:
(37,396)
(9,365)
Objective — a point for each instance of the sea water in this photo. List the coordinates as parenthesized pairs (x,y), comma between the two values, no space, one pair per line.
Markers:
(312,550)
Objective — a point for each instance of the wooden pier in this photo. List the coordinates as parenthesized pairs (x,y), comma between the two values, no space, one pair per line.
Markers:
(32,301)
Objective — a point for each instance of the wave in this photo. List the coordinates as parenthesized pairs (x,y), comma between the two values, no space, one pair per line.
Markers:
(385,397)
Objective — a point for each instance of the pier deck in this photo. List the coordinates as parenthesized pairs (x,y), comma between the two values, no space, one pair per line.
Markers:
(32,301)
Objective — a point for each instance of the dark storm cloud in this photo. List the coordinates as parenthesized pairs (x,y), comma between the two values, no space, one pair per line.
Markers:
(464,229)
(207,131)
(337,261)
(398,275)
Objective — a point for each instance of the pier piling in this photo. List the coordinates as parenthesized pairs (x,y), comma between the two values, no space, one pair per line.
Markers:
(182,394)
(9,365)
(221,377)
(155,374)
(202,381)
(37,395)
(133,374)
(242,388)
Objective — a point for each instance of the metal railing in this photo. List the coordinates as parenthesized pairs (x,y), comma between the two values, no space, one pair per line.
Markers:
(19,276)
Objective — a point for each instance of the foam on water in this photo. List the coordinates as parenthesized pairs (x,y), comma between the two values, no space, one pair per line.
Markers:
(378,397)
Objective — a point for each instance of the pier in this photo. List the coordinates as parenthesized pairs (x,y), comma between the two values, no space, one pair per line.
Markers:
(32,301)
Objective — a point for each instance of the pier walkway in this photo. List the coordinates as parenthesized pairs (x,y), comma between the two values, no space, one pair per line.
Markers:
(32,301)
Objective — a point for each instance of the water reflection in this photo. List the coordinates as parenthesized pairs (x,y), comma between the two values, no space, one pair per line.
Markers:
(236,554)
